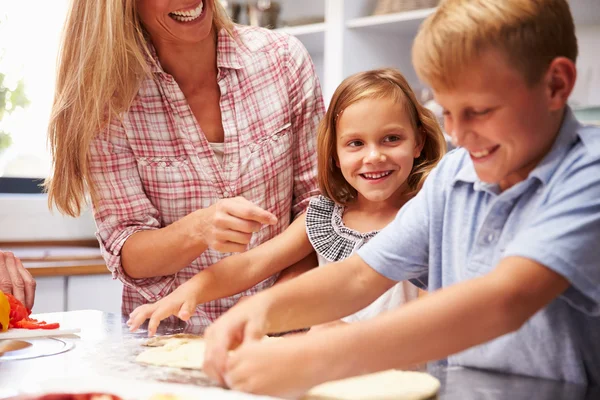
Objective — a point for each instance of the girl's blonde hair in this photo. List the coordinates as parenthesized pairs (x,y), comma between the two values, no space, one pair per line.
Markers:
(103,58)
(376,84)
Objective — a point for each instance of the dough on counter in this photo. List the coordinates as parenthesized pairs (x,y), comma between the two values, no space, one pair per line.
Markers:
(181,350)
(385,385)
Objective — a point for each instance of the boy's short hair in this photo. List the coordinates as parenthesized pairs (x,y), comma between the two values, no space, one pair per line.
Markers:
(375,84)
(531,33)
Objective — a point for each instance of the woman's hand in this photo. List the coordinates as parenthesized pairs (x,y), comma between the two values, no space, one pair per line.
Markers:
(182,303)
(227,225)
(16,280)
(266,367)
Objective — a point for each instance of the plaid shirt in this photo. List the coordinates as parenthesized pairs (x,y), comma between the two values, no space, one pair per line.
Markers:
(155,166)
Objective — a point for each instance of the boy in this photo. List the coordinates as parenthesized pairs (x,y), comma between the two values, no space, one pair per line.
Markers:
(507,228)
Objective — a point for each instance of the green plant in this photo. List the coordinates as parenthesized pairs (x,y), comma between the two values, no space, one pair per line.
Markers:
(10,99)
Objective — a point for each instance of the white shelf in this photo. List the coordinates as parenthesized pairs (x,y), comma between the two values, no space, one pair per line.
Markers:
(404,23)
(312,36)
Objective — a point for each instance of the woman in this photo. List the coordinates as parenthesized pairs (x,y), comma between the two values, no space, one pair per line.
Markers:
(194,137)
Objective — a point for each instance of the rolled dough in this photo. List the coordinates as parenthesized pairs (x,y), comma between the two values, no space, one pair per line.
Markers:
(385,385)
(181,350)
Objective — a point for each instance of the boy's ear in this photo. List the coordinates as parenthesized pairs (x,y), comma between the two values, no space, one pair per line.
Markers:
(560,80)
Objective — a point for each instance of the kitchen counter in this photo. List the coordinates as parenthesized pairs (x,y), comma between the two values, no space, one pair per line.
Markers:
(59,260)
(106,349)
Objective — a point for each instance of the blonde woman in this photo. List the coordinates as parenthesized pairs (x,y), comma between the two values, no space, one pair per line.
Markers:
(195,138)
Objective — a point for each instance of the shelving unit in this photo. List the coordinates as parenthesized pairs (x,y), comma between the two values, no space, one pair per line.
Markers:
(405,23)
(312,36)
(352,40)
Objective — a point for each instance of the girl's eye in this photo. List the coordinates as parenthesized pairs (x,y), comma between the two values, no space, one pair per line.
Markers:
(392,138)
(355,143)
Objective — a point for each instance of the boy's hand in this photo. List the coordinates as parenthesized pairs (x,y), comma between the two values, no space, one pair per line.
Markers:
(263,367)
(244,322)
(182,303)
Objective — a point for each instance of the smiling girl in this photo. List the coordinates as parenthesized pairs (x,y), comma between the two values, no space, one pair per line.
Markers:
(376,146)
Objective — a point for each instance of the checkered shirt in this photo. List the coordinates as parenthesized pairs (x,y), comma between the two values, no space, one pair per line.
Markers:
(155,166)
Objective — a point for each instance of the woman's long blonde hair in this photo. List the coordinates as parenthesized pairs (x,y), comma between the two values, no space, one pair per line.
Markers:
(376,84)
(102,60)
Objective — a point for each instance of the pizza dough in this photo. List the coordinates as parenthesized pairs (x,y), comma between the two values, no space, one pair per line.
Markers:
(386,385)
(187,351)
(181,350)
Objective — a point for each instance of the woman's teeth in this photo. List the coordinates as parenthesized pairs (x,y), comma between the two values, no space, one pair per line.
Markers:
(189,15)
(377,175)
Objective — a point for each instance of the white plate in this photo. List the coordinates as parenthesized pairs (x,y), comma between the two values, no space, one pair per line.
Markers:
(14,333)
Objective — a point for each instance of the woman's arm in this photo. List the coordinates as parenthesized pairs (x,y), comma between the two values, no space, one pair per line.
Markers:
(229,276)
(135,246)
(226,226)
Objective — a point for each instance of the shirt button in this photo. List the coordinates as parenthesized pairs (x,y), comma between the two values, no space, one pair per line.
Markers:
(226,194)
(490,238)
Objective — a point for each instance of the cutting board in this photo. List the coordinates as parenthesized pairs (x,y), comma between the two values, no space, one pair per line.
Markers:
(35,333)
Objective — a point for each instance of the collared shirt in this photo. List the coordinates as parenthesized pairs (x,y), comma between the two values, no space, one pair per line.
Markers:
(156,166)
(458,228)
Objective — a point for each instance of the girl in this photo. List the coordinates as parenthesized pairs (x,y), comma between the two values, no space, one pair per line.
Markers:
(376,146)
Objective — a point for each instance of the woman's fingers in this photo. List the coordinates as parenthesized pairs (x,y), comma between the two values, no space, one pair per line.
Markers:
(244,209)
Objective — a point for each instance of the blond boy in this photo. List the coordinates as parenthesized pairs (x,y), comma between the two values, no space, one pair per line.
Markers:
(506,231)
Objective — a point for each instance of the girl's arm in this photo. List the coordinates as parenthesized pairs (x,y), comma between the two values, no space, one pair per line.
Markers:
(229,276)
(306,264)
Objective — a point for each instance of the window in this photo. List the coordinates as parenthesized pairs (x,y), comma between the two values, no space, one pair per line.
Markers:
(29,40)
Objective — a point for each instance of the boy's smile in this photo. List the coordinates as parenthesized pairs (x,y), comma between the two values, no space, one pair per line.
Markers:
(506,125)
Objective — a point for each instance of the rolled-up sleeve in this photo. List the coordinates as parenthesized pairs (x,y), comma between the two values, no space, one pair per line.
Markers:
(307,110)
(121,207)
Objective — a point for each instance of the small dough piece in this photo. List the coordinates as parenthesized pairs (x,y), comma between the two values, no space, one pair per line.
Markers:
(182,351)
(385,385)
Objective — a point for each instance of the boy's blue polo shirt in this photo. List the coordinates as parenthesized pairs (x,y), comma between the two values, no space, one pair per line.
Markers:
(459,228)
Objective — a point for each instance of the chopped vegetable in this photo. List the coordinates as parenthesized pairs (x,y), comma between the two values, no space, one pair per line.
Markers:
(13,314)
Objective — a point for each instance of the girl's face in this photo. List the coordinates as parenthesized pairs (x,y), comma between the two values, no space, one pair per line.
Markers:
(176,21)
(376,147)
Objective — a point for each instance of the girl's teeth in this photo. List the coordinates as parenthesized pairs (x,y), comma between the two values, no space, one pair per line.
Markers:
(376,176)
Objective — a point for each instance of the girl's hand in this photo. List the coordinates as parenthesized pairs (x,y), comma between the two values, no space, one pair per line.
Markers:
(227,226)
(282,367)
(244,322)
(182,303)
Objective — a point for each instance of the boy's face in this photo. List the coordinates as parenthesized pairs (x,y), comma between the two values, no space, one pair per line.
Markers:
(506,125)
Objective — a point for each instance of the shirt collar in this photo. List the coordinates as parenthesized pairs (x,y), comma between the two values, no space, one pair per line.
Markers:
(544,170)
(228,53)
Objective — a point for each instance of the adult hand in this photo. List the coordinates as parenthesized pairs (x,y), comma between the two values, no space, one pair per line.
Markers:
(244,322)
(231,222)
(16,280)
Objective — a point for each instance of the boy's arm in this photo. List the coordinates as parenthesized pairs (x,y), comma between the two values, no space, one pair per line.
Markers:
(440,324)
(452,319)
(229,276)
